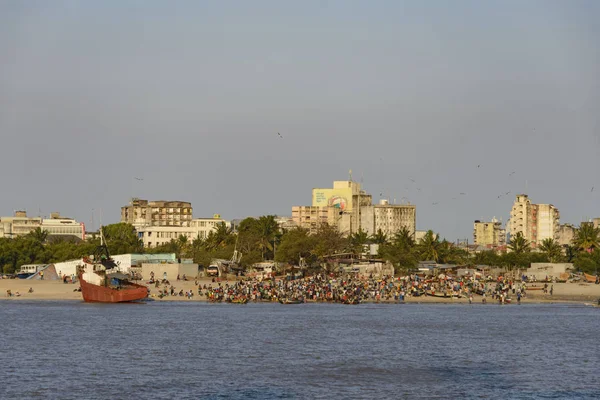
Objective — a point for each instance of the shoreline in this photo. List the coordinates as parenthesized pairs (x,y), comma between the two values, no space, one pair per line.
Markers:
(564,293)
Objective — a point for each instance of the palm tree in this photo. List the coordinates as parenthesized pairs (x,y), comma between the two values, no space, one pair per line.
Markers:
(182,246)
(218,237)
(449,253)
(39,235)
(404,238)
(551,248)
(357,242)
(380,237)
(518,244)
(430,246)
(587,238)
(400,251)
(268,231)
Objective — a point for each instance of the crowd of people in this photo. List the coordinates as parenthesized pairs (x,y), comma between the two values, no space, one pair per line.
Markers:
(351,289)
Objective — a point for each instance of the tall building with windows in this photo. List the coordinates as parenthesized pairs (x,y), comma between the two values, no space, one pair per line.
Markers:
(521,218)
(548,222)
(349,208)
(489,233)
(388,218)
(536,222)
(142,213)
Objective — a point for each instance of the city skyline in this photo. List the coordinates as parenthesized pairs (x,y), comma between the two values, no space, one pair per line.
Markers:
(243,110)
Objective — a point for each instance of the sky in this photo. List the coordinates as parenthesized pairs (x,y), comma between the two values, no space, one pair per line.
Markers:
(190,97)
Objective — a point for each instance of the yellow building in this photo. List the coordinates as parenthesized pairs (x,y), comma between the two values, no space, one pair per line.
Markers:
(489,234)
(349,208)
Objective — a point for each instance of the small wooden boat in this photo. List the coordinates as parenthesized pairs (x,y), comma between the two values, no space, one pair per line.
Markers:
(535,288)
(239,301)
(290,301)
(442,295)
(351,301)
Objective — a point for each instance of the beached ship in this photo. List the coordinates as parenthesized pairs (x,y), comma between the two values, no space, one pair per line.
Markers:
(101,282)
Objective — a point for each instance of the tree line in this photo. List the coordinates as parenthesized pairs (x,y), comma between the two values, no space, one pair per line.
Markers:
(260,239)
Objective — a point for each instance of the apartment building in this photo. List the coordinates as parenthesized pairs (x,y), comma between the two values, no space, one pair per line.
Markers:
(141,213)
(153,235)
(349,208)
(309,217)
(389,218)
(489,233)
(535,221)
(20,224)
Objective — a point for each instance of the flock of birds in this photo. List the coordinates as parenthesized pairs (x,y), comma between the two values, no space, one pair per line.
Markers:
(435,203)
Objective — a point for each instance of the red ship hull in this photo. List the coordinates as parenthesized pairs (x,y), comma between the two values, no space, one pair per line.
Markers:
(101,294)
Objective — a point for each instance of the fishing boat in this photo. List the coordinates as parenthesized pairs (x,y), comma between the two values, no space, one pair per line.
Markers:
(433,294)
(291,301)
(101,282)
(241,300)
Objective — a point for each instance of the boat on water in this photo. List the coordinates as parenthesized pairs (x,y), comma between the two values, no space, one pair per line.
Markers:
(241,300)
(101,282)
(291,301)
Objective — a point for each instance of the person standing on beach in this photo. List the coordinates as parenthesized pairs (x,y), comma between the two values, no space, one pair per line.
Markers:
(42,275)
(551,290)
(518,297)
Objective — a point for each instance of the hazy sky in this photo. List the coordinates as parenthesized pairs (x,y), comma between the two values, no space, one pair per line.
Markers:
(190,95)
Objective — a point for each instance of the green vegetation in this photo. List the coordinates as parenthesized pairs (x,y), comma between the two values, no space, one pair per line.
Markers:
(260,239)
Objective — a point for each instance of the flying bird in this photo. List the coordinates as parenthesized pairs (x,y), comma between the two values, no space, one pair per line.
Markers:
(419,189)
(434,204)
(507,192)
(279,134)
(512,173)
(478,165)
(592,189)
(412,180)
(499,196)
(138,179)
(462,194)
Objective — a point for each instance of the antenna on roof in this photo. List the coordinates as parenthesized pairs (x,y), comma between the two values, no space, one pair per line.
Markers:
(350,173)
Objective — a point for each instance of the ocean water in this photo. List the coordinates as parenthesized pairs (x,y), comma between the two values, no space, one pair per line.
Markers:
(168,350)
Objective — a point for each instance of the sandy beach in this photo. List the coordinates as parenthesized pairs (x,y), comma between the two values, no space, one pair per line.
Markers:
(57,290)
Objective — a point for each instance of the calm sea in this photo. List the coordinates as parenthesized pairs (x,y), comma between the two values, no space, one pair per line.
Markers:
(166,350)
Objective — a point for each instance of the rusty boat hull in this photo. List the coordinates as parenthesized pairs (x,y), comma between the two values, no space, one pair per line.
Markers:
(105,294)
